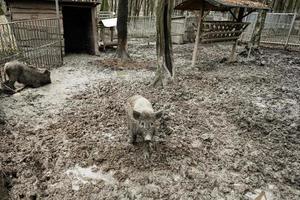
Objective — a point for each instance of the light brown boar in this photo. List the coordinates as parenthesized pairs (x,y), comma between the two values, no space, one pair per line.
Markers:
(141,118)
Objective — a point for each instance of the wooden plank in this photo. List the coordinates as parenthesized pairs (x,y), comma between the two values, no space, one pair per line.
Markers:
(17,16)
(32,10)
(34,4)
(224,22)
(219,39)
(222,32)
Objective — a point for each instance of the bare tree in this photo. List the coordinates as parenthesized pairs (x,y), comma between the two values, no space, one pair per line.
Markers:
(122,30)
(112,5)
(165,67)
(146,6)
(104,5)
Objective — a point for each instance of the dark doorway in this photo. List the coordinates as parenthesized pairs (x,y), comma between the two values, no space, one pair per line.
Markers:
(77,29)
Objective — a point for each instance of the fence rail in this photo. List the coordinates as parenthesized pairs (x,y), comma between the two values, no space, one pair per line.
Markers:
(36,42)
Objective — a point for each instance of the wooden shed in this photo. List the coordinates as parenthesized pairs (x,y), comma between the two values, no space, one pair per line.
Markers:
(220,31)
(78,20)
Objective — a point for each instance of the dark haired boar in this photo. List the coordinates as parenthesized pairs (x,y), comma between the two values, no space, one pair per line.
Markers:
(30,77)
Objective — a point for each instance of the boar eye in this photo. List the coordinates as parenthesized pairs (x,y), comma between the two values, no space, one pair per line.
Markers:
(142,124)
(151,123)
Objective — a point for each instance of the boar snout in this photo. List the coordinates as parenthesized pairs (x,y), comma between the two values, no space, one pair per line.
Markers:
(148,138)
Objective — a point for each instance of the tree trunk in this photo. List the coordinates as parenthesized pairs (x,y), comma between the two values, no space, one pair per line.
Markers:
(145,7)
(165,68)
(112,5)
(115,8)
(259,25)
(122,30)
(152,7)
(196,46)
(239,15)
(130,8)
(104,6)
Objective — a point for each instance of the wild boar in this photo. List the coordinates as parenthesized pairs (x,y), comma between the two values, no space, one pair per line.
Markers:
(141,118)
(30,77)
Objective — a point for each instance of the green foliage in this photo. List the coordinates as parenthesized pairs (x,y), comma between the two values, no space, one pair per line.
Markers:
(104,6)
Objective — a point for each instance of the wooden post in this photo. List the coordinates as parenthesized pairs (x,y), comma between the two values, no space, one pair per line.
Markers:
(94,35)
(290,31)
(232,54)
(102,35)
(59,30)
(197,36)
(239,19)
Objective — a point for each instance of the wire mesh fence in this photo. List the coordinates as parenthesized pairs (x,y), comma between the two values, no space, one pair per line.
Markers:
(280,29)
(142,27)
(145,27)
(35,42)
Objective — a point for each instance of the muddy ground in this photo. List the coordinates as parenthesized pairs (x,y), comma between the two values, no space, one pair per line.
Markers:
(230,131)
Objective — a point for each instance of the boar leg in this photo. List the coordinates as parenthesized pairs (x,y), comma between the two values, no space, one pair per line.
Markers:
(20,89)
(132,138)
(12,78)
(10,84)
(147,151)
(7,89)
(131,131)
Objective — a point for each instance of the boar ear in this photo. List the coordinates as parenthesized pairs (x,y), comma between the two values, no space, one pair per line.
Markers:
(158,114)
(136,115)
(46,72)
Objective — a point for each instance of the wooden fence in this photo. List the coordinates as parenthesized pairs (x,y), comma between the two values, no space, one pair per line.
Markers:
(36,42)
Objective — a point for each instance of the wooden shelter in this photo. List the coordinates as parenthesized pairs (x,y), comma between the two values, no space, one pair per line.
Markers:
(220,31)
(78,20)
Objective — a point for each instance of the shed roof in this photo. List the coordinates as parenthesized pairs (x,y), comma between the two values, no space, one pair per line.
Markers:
(108,23)
(220,4)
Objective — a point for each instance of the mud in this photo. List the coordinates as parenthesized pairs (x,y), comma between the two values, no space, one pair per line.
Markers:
(230,131)
(3,189)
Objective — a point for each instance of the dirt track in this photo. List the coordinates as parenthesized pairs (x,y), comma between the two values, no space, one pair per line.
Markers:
(234,130)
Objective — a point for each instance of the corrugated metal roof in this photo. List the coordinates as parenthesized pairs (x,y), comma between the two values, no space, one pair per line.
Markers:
(220,4)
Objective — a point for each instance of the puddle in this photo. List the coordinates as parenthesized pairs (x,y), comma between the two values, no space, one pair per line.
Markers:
(90,175)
